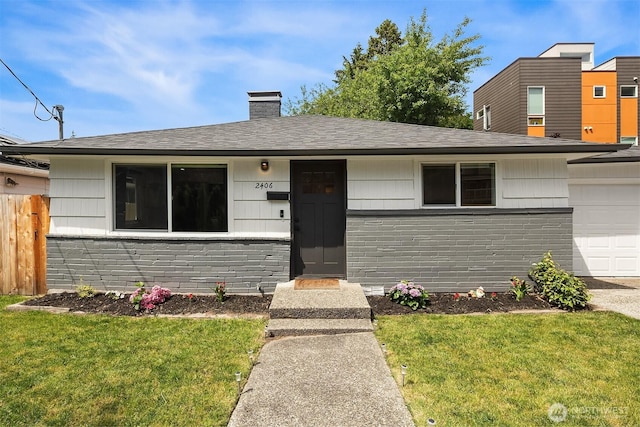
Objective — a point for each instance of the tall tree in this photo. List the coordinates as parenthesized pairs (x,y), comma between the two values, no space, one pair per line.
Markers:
(409,79)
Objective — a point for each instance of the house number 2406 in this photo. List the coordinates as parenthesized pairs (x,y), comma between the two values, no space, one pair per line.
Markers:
(264,185)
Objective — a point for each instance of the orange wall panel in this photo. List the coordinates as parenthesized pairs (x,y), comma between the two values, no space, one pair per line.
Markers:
(535,131)
(628,117)
(599,114)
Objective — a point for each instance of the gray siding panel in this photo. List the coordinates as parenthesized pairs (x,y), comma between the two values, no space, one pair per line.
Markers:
(627,68)
(455,253)
(502,95)
(506,93)
(562,79)
(182,265)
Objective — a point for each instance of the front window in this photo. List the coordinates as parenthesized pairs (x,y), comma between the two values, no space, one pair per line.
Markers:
(141,197)
(199,198)
(633,140)
(198,195)
(459,184)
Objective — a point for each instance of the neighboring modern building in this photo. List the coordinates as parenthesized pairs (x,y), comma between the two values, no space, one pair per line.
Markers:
(262,201)
(560,93)
(19,175)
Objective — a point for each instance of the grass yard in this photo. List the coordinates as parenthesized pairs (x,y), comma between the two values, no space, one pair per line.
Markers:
(507,370)
(101,370)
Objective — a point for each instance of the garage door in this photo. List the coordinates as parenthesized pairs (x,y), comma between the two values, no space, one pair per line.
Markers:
(606,229)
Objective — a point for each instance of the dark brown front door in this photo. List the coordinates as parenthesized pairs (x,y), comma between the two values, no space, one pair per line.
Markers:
(319,219)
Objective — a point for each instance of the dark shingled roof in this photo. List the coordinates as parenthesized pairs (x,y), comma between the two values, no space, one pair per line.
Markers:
(308,135)
(630,154)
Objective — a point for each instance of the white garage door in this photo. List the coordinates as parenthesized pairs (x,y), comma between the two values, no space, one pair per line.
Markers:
(606,229)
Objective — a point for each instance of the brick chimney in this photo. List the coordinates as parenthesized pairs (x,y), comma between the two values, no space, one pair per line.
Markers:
(264,104)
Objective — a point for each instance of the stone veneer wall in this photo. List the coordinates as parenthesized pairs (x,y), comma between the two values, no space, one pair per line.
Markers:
(184,266)
(454,250)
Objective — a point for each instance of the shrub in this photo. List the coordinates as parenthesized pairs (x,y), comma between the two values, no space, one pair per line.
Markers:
(85,291)
(409,294)
(558,286)
(143,298)
(519,288)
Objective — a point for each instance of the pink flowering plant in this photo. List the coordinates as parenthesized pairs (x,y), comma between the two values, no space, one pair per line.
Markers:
(220,290)
(146,299)
(519,288)
(409,294)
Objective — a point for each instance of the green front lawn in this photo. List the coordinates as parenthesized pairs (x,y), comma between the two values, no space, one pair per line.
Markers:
(101,370)
(509,369)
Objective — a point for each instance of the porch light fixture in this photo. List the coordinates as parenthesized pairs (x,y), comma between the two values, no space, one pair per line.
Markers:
(238,379)
(404,372)
(250,353)
(264,165)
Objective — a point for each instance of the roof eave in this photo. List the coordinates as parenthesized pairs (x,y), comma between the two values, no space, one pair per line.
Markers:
(500,149)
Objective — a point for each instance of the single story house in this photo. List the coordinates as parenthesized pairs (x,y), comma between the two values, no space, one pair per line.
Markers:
(21,176)
(258,202)
(604,192)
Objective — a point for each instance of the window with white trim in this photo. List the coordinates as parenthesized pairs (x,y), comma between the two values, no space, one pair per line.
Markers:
(535,121)
(599,91)
(459,184)
(535,100)
(633,140)
(486,123)
(628,91)
(197,195)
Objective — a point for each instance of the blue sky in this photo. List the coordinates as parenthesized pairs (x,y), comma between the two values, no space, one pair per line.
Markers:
(121,66)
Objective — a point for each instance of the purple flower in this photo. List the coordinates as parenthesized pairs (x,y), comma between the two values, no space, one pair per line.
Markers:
(415,292)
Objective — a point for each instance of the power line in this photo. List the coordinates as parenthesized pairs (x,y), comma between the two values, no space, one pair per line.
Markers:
(59,108)
(31,92)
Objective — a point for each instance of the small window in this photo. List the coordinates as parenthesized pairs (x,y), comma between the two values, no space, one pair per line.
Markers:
(633,140)
(473,184)
(535,121)
(628,91)
(599,91)
(535,100)
(480,114)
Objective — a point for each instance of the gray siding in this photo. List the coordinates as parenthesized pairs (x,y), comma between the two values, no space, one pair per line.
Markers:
(562,79)
(455,251)
(182,265)
(506,93)
(502,95)
(627,68)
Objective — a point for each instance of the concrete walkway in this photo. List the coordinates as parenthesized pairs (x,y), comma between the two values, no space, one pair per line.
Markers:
(329,380)
(625,299)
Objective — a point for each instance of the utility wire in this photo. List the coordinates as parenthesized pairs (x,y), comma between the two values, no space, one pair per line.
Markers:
(52,115)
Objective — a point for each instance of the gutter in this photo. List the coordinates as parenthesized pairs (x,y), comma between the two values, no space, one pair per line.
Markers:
(537,149)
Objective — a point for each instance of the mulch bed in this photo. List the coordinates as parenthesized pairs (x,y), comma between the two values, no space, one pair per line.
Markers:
(255,305)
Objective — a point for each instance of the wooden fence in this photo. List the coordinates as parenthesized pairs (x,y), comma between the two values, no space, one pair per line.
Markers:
(24,224)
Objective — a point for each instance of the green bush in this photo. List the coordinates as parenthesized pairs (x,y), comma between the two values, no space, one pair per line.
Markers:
(558,286)
(85,291)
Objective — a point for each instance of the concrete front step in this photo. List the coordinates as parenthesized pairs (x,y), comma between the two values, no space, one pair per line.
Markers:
(291,327)
(348,302)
